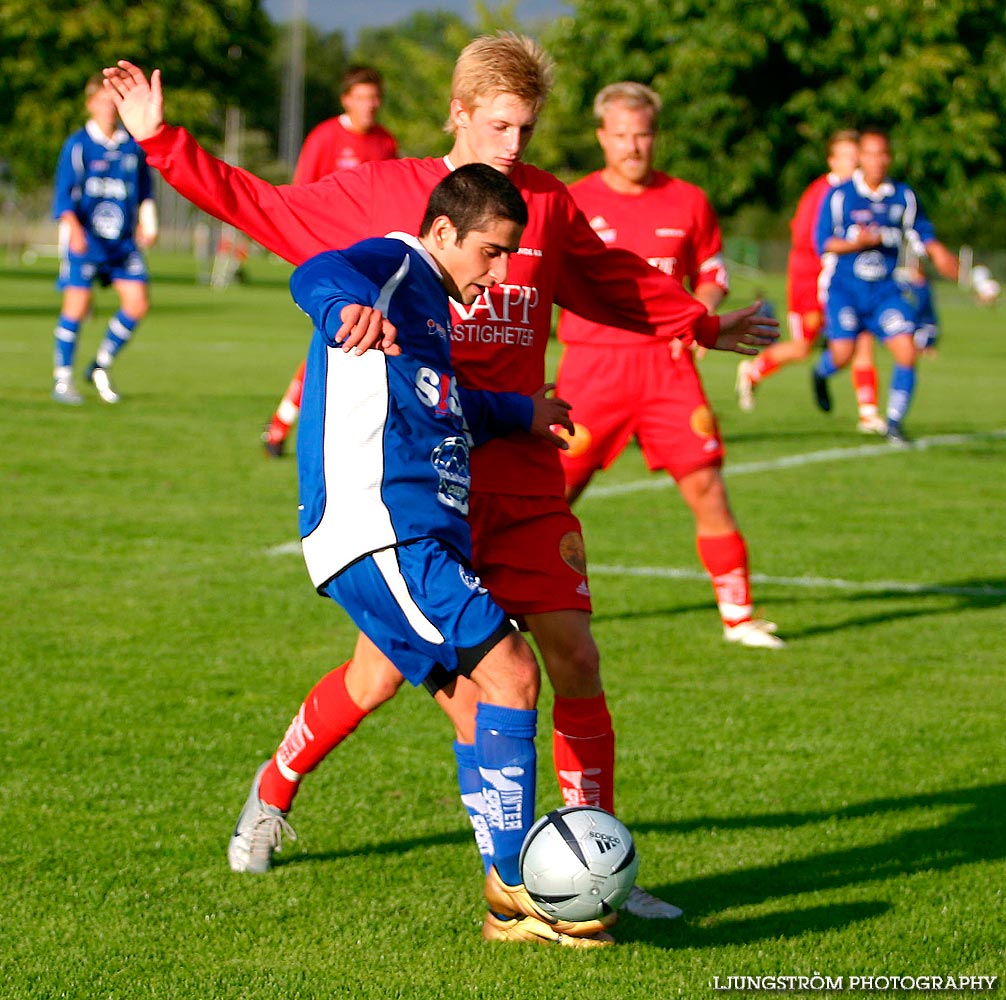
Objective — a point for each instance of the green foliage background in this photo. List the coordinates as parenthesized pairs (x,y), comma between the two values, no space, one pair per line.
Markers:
(751,90)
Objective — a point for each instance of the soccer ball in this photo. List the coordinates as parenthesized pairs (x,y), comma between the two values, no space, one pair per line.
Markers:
(578,863)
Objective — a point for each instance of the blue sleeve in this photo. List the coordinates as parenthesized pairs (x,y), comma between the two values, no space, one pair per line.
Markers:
(144,185)
(326,283)
(923,228)
(825,227)
(493,414)
(66,180)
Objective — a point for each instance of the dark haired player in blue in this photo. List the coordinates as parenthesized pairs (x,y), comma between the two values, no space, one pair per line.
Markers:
(861,228)
(383,463)
(104,203)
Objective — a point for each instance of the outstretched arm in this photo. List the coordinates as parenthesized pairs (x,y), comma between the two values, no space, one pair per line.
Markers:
(294,222)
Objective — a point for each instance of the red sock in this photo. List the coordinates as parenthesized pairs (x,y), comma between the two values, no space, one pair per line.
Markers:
(725,558)
(762,367)
(583,747)
(326,718)
(288,410)
(864,381)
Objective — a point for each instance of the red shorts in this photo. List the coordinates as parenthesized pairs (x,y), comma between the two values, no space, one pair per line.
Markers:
(529,552)
(806,316)
(621,392)
(805,326)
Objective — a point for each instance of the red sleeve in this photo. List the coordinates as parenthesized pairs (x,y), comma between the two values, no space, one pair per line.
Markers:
(616,288)
(709,265)
(294,222)
(801,226)
(310,166)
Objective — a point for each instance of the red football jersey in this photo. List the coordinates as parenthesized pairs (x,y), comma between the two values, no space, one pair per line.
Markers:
(671,224)
(331,146)
(804,265)
(499,341)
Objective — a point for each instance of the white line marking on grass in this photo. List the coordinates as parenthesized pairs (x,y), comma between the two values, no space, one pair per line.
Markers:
(807,582)
(663,482)
(286,549)
(786,462)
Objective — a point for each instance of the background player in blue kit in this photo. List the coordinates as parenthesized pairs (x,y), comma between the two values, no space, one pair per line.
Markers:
(860,232)
(383,464)
(104,203)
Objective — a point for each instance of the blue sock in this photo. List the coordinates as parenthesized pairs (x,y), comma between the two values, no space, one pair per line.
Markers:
(900,394)
(504,750)
(470,784)
(120,330)
(825,367)
(65,338)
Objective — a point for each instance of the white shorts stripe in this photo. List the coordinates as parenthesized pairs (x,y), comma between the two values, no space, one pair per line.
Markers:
(387,562)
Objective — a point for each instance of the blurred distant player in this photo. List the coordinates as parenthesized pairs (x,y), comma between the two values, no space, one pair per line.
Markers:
(861,229)
(621,385)
(104,203)
(339,143)
(806,316)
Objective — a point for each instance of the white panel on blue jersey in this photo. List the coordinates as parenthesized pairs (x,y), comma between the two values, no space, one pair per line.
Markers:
(356,519)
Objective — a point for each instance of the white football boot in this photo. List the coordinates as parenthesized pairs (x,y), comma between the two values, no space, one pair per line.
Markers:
(641,903)
(258,833)
(65,392)
(745,387)
(98,377)
(755,633)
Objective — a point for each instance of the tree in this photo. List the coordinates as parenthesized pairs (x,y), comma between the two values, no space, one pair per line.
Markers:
(416,58)
(212,53)
(752,91)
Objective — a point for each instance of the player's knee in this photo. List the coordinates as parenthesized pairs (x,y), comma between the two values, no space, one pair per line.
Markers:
(523,675)
(372,680)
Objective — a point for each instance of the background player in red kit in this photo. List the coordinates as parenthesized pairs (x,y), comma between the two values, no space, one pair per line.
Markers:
(527,545)
(806,314)
(339,143)
(622,386)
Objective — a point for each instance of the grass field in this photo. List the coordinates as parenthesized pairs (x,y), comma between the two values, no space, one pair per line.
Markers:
(835,808)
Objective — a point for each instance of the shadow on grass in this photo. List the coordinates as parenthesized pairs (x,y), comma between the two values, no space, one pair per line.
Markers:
(963,595)
(973,834)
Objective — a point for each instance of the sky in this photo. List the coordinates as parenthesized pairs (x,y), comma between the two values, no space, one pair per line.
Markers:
(349,15)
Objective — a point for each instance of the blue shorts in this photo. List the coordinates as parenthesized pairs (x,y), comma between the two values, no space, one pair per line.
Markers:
(82,271)
(422,607)
(876,307)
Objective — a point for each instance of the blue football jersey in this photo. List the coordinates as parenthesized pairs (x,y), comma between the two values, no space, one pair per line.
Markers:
(103,181)
(894,208)
(384,441)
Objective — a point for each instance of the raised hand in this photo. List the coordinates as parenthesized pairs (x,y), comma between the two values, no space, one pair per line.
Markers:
(140,103)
